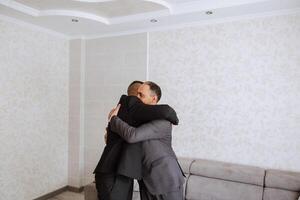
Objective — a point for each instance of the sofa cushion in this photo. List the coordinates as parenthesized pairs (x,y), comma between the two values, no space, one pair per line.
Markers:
(283,180)
(228,171)
(277,194)
(203,188)
(185,164)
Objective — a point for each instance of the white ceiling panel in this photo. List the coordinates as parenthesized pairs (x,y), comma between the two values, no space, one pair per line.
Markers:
(112,17)
(106,9)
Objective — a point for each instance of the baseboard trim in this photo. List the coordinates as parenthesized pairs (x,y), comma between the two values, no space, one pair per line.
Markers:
(52,194)
(59,191)
(75,189)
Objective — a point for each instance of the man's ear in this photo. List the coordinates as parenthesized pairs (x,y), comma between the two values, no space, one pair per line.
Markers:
(154,99)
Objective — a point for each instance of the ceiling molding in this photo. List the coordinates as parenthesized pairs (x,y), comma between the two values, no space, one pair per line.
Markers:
(37,13)
(114,20)
(75,14)
(123,19)
(20,7)
(163,3)
(94,1)
(171,9)
(139,17)
(193,24)
(195,6)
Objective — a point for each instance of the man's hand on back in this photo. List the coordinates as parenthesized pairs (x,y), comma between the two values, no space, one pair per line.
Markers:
(114,112)
(105,136)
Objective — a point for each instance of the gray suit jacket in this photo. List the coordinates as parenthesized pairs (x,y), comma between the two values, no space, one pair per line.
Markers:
(161,171)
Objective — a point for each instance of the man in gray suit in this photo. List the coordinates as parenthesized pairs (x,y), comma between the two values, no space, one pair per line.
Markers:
(162,176)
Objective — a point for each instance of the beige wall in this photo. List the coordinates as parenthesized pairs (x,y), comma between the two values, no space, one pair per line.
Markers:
(111,64)
(236,88)
(76,99)
(33,112)
(234,85)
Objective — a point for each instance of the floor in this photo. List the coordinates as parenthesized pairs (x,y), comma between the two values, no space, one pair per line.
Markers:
(68,196)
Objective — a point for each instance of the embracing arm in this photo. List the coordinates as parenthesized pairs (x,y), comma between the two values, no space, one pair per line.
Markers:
(144,113)
(153,130)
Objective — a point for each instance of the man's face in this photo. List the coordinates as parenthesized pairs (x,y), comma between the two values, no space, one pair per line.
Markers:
(146,96)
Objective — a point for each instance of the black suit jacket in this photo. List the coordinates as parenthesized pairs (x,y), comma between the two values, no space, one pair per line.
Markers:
(123,158)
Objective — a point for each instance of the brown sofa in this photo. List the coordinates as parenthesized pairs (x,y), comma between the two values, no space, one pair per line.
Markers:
(213,180)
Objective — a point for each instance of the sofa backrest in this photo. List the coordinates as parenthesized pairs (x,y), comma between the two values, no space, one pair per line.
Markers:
(228,171)
(281,185)
(213,180)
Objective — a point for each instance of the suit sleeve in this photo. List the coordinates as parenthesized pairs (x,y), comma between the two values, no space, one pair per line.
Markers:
(153,130)
(143,113)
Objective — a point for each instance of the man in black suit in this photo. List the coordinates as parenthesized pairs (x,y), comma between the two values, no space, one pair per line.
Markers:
(121,162)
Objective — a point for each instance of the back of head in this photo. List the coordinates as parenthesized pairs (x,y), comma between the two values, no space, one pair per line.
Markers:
(132,89)
(154,88)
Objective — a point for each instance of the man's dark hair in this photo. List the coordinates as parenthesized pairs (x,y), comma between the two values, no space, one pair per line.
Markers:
(134,82)
(154,89)
(132,88)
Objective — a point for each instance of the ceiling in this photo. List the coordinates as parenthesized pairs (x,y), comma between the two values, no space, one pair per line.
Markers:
(96,18)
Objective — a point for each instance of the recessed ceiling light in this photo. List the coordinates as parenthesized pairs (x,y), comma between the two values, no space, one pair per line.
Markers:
(153,20)
(75,20)
(209,12)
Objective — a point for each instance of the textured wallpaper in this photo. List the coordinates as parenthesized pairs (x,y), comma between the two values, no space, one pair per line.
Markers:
(75,149)
(111,65)
(33,112)
(236,88)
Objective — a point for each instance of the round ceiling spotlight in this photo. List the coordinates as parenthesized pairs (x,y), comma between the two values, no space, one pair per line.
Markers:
(209,12)
(75,20)
(153,20)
